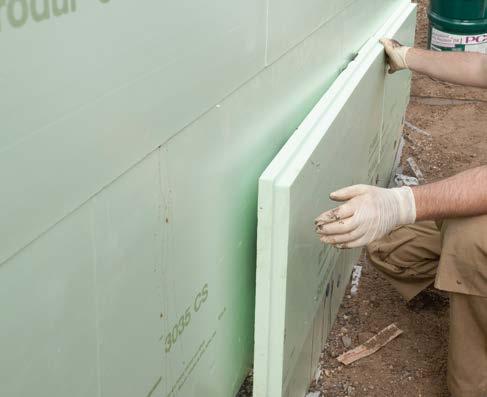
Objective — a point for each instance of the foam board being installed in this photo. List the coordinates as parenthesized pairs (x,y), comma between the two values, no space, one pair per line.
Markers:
(300,282)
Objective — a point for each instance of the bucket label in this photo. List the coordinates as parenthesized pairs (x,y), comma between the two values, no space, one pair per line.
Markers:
(442,41)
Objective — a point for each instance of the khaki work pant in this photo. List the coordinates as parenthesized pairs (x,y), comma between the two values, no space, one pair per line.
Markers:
(453,256)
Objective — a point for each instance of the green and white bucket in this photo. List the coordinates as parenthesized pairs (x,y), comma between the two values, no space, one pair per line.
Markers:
(458,25)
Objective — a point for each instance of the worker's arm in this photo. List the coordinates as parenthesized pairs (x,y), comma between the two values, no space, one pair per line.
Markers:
(370,212)
(464,194)
(465,68)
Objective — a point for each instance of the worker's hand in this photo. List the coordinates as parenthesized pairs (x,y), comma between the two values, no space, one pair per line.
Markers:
(396,54)
(368,214)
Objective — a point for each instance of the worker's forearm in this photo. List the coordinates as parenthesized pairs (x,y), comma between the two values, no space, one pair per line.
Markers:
(464,194)
(465,68)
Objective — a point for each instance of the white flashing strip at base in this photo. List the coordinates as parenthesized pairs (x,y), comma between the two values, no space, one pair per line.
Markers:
(349,137)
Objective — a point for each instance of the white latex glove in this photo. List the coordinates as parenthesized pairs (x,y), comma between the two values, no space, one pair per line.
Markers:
(368,214)
(396,54)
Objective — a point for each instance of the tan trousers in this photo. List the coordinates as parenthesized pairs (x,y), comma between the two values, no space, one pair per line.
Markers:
(453,256)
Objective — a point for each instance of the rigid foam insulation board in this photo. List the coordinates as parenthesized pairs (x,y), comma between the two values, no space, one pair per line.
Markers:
(132,138)
(346,139)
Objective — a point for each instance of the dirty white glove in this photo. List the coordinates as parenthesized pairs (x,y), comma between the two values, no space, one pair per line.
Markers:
(368,214)
(396,54)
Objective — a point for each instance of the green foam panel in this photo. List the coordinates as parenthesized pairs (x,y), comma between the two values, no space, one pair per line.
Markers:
(346,139)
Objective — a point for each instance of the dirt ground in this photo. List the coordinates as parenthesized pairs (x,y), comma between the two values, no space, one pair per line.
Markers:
(414,364)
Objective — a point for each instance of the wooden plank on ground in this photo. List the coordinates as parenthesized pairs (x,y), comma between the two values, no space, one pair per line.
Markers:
(371,346)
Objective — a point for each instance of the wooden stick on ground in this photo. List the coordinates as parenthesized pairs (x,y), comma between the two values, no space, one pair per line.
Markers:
(371,346)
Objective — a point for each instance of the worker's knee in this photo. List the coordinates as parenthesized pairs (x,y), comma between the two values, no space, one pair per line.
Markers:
(410,251)
(388,254)
(408,257)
